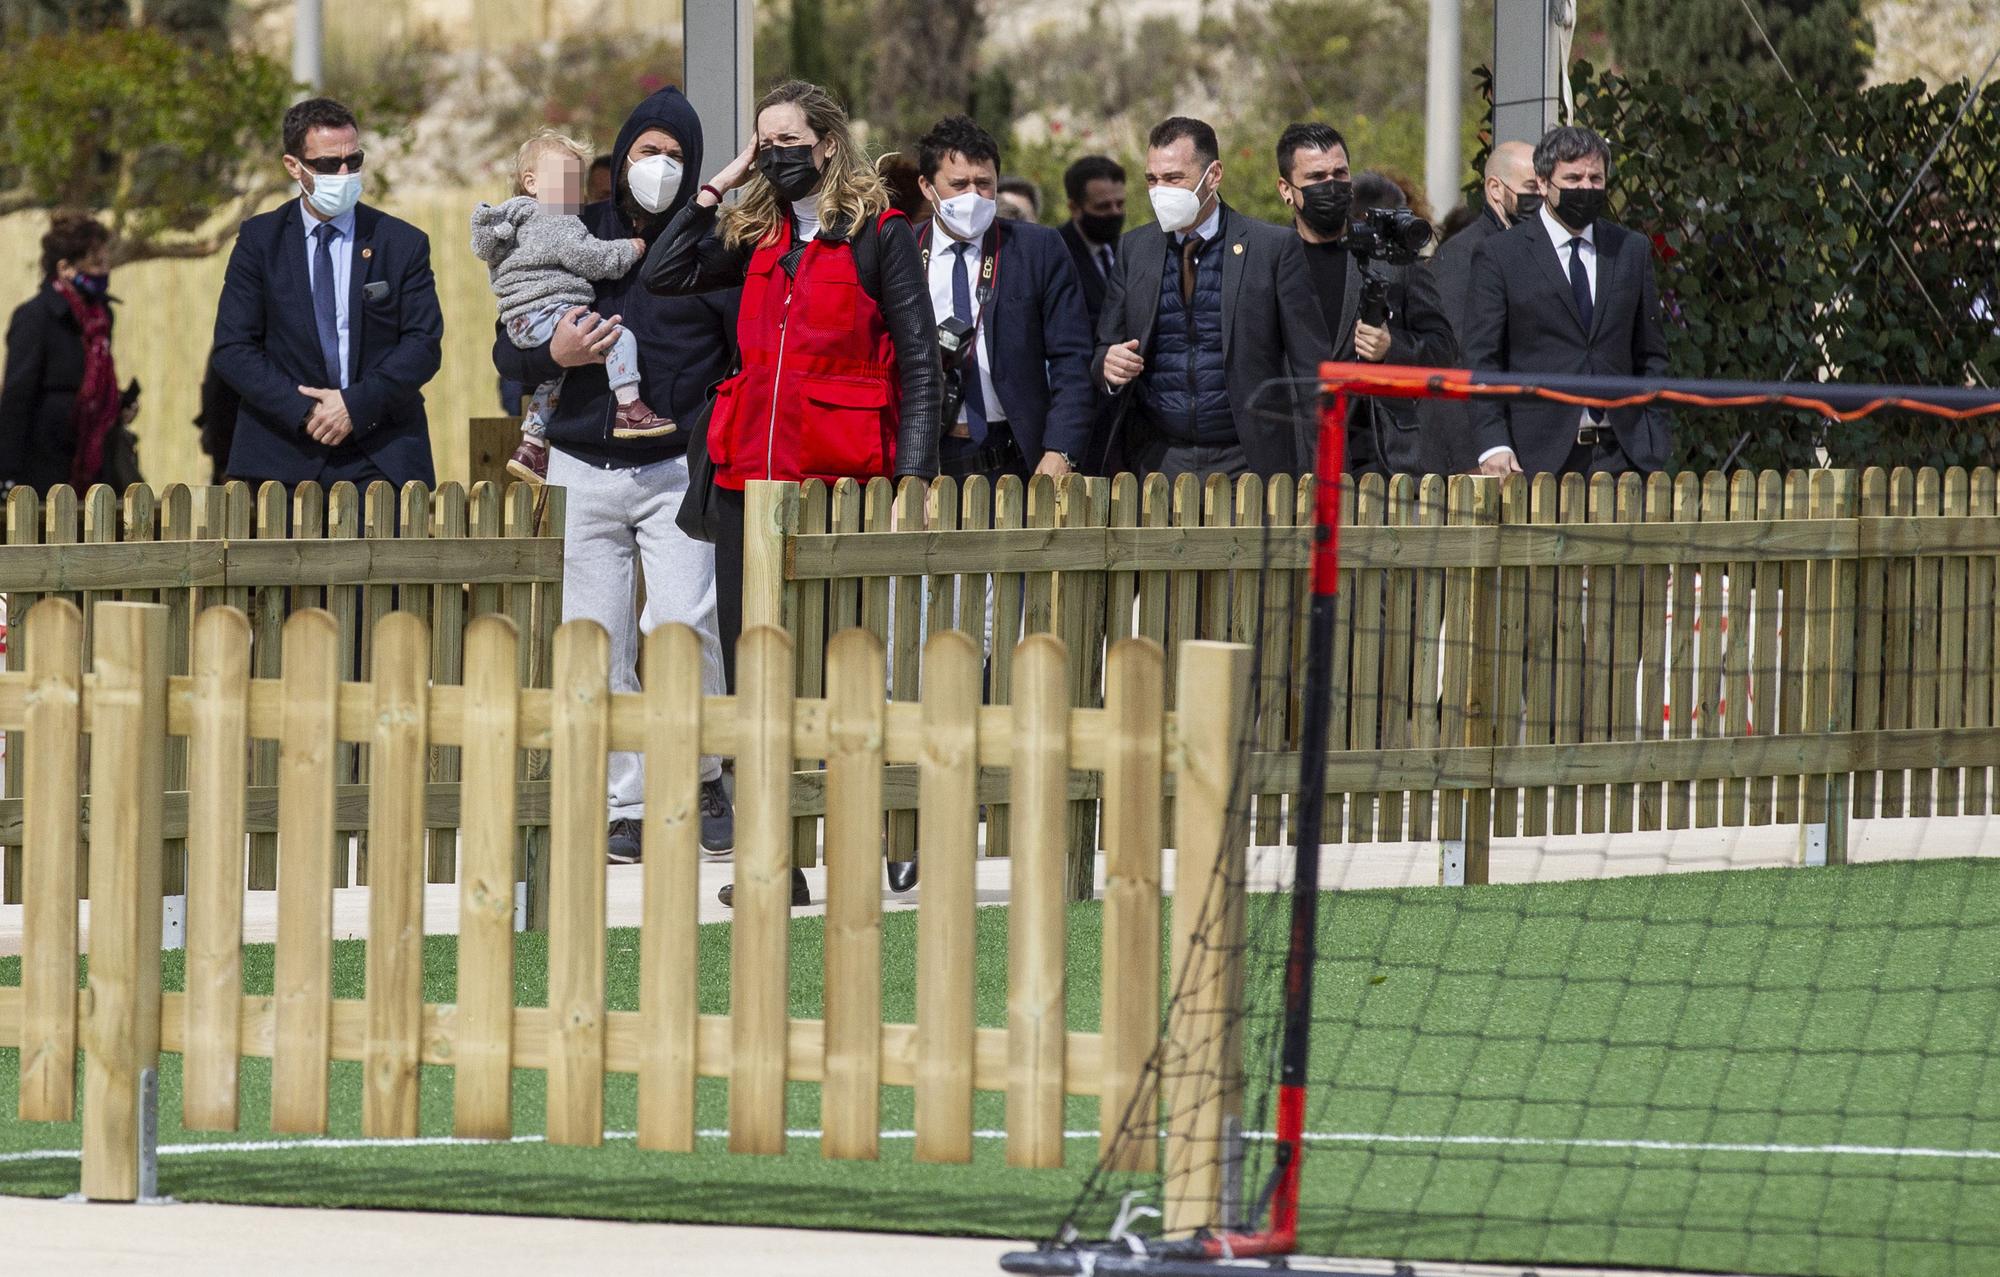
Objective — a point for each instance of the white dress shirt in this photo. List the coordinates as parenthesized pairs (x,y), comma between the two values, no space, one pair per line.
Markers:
(1560,236)
(342,249)
(1210,227)
(944,260)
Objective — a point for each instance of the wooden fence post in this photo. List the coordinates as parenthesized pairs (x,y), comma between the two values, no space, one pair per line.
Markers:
(850,1099)
(669,935)
(483,1055)
(948,824)
(770,515)
(302,971)
(1037,921)
(395,957)
(1201,1071)
(127,772)
(760,937)
(580,731)
(218,743)
(47,758)
(1135,700)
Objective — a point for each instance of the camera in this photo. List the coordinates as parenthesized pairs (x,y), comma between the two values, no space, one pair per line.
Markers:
(956,347)
(1392,235)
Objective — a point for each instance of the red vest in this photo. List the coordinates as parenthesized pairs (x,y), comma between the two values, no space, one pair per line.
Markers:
(818,396)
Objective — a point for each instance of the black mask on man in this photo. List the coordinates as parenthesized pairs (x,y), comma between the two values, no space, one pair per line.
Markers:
(790,170)
(1526,205)
(1325,205)
(1101,228)
(1579,207)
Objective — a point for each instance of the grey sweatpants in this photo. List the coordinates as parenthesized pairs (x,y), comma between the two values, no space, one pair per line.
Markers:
(618,521)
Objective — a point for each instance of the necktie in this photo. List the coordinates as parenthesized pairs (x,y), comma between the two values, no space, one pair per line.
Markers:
(1579,282)
(1104,260)
(326,313)
(961,306)
(1190,249)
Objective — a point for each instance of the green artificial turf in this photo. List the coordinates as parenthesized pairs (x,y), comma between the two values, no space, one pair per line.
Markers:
(1486,1064)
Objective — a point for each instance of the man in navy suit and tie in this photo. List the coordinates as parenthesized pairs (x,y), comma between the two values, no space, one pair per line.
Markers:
(328,325)
(1028,404)
(1566,290)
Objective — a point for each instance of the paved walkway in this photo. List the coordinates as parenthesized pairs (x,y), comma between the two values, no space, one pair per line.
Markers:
(221,1241)
(1550,859)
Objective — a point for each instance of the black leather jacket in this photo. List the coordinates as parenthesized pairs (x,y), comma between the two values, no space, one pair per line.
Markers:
(690,257)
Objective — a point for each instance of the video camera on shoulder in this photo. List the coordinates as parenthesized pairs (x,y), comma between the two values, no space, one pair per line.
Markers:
(1392,235)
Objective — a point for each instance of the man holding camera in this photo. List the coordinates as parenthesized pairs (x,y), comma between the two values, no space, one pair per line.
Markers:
(1210,339)
(1011,320)
(1380,307)
(1566,291)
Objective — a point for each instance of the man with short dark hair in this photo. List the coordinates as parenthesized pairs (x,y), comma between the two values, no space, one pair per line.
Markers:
(1510,192)
(1315,182)
(1095,186)
(328,325)
(1567,291)
(1026,402)
(1210,336)
(1020,200)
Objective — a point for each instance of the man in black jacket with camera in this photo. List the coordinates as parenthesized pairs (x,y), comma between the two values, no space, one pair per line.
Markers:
(1346,256)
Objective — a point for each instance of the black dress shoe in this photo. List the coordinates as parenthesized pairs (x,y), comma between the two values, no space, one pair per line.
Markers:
(801,894)
(902,874)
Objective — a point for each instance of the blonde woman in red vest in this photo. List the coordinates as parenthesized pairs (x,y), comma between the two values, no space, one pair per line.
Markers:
(839,375)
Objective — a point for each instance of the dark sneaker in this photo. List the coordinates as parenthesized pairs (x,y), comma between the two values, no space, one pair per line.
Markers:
(636,421)
(530,462)
(718,819)
(625,844)
(801,894)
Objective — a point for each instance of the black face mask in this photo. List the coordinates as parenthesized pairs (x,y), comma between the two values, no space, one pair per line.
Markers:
(93,287)
(1526,205)
(790,170)
(1101,228)
(1580,206)
(1325,206)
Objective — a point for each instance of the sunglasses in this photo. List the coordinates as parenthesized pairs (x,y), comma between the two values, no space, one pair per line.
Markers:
(329,165)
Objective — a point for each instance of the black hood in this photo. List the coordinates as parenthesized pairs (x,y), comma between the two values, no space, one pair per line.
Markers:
(667,109)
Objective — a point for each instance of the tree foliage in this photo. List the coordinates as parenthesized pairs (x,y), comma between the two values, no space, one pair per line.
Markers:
(161,136)
(1825,44)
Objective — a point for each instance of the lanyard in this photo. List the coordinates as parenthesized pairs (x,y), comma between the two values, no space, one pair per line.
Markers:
(989,269)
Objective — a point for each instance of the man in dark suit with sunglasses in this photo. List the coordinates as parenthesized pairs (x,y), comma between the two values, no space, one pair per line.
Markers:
(329,324)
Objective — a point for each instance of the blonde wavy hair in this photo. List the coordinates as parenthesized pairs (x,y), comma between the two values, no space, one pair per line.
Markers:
(539,144)
(851,192)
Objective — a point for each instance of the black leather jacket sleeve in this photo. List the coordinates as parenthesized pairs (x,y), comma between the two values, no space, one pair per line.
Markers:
(690,257)
(905,298)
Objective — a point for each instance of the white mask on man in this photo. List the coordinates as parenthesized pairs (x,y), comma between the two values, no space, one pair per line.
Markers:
(1177,207)
(333,193)
(967,216)
(655,181)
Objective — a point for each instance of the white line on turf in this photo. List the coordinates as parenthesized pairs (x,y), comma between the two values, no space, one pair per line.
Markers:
(1311,1137)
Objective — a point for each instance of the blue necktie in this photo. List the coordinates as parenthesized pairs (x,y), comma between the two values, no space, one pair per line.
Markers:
(326,313)
(961,306)
(1579,282)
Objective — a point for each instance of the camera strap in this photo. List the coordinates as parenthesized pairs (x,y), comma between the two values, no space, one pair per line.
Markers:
(989,269)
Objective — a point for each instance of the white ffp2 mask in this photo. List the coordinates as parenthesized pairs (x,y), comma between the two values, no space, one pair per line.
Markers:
(655,181)
(1176,207)
(967,216)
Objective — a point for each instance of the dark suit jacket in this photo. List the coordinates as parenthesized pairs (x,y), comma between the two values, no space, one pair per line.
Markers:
(1272,331)
(44,372)
(1082,252)
(1447,423)
(267,346)
(1040,341)
(1521,317)
(1383,434)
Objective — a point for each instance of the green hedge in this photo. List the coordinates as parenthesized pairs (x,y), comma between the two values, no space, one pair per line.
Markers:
(1781,253)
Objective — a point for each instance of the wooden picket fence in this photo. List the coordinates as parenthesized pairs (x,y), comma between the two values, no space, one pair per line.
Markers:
(1518,658)
(449,556)
(132,706)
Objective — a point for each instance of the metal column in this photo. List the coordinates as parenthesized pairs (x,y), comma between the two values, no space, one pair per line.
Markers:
(718,74)
(1444,162)
(1527,69)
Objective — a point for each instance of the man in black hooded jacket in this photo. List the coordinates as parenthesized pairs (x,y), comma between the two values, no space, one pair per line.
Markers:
(622,494)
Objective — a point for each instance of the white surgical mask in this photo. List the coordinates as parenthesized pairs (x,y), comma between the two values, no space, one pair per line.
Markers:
(655,181)
(967,216)
(1176,207)
(333,193)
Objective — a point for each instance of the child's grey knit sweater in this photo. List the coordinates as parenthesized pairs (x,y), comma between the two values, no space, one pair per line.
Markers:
(537,258)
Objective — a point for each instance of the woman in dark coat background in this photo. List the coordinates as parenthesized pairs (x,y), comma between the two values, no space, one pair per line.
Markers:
(61,416)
